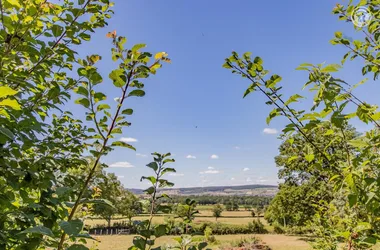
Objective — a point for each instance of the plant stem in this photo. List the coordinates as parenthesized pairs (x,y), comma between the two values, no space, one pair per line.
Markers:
(89,177)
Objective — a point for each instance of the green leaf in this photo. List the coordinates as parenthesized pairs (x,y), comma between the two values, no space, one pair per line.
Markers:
(99,97)
(39,230)
(202,245)
(102,107)
(137,47)
(160,230)
(331,68)
(6,91)
(104,202)
(168,170)
(150,190)
(292,158)
(338,34)
(351,182)
(72,227)
(83,101)
(168,160)
(78,247)
(14,3)
(118,77)
(258,60)
(137,92)
(7,133)
(250,89)
(152,179)
(123,144)
(358,142)
(362,226)
(81,91)
(57,30)
(293,98)
(153,165)
(139,242)
(96,78)
(10,103)
(275,112)
(127,112)
(309,157)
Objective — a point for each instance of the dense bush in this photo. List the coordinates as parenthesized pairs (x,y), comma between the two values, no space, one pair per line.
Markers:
(220,229)
(278,229)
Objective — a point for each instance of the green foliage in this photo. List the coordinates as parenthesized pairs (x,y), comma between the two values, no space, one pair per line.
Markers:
(45,179)
(349,168)
(217,211)
(110,189)
(187,210)
(366,48)
(148,232)
(128,205)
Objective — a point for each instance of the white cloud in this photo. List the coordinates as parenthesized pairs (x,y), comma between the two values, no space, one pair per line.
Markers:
(245,169)
(262,181)
(141,155)
(214,157)
(191,157)
(210,172)
(233,178)
(176,174)
(120,176)
(270,131)
(249,179)
(128,139)
(210,168)
(237,147)
(121,164)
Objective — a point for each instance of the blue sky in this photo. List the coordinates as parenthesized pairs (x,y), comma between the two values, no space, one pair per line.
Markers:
(194,90)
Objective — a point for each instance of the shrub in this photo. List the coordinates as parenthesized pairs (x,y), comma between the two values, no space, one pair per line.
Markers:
(278,229)
(256,226)
(208,235)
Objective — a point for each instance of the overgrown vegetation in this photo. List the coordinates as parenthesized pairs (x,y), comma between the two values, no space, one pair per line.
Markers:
(348,212)
(51,171)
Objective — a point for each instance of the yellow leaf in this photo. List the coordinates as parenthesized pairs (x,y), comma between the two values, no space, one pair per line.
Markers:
(28,19)
(10,103)
(6,91)
(15,3)
(160,55)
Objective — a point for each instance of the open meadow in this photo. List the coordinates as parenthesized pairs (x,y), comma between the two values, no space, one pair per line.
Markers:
(274,241)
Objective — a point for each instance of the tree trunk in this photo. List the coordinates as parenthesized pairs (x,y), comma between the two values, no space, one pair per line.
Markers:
(109,221)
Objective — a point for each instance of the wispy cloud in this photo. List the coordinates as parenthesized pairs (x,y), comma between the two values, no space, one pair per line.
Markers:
(214,157)
(245,169)
(249,179)
(128,139)
(191,157)
(121,164)
(176,174)
(141,155)
(120,176)
(270,131)
(210,168)
(233,178)
(237,147)
(210,172)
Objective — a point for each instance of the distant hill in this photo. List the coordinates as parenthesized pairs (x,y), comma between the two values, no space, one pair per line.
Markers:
(261,190)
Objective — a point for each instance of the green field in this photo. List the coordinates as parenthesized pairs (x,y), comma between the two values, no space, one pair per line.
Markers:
(274,241)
